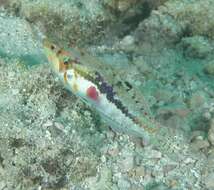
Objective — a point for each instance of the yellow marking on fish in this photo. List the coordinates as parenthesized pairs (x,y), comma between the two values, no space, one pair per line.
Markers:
(75,74)
(65,77)
(150,130)
(75,87)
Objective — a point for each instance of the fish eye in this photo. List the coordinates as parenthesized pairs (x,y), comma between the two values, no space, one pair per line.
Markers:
(66,60)
(52,47)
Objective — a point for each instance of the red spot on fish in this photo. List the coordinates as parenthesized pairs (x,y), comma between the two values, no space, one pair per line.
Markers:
(92,93)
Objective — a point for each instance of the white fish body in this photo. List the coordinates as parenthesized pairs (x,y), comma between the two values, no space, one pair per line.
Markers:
(89,87)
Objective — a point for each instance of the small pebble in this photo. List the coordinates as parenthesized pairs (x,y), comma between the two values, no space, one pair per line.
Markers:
(197,100)
(140,171)
(127,163)
(49,123)
(189,161)
(199,144)
(154,154)
(209,68)
(127,41)
(209,181)
(123,184)
(113,151)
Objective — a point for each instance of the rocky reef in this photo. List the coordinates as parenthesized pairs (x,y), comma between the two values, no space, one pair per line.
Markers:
(49,139)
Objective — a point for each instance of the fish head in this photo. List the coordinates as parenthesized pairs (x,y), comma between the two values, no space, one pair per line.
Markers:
(60,59)
(69,70)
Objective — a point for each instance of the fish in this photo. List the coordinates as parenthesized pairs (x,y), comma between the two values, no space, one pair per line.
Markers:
(83,75)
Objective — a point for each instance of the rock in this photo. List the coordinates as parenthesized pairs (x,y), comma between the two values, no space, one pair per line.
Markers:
(196,46)
(127,162)
(211,132)
(47,124)
(123,184)
(177,19)
(197,135)
(2,185)
(57,129)
(210,160)
(157,26)
(139,171)
(197,100)
(138,160)
(209,68)
(207,115)
(168,168)
(113,151)
(103,182)
(122,6)
(199,144)
(70,22)
(152,154)
(209,181)
(189,161)
(127,43)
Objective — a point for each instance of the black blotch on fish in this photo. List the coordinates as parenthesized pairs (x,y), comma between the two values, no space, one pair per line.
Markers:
(52,47)
(128,85)
(104,87)
(107,89)
(119,84)
(58,52)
